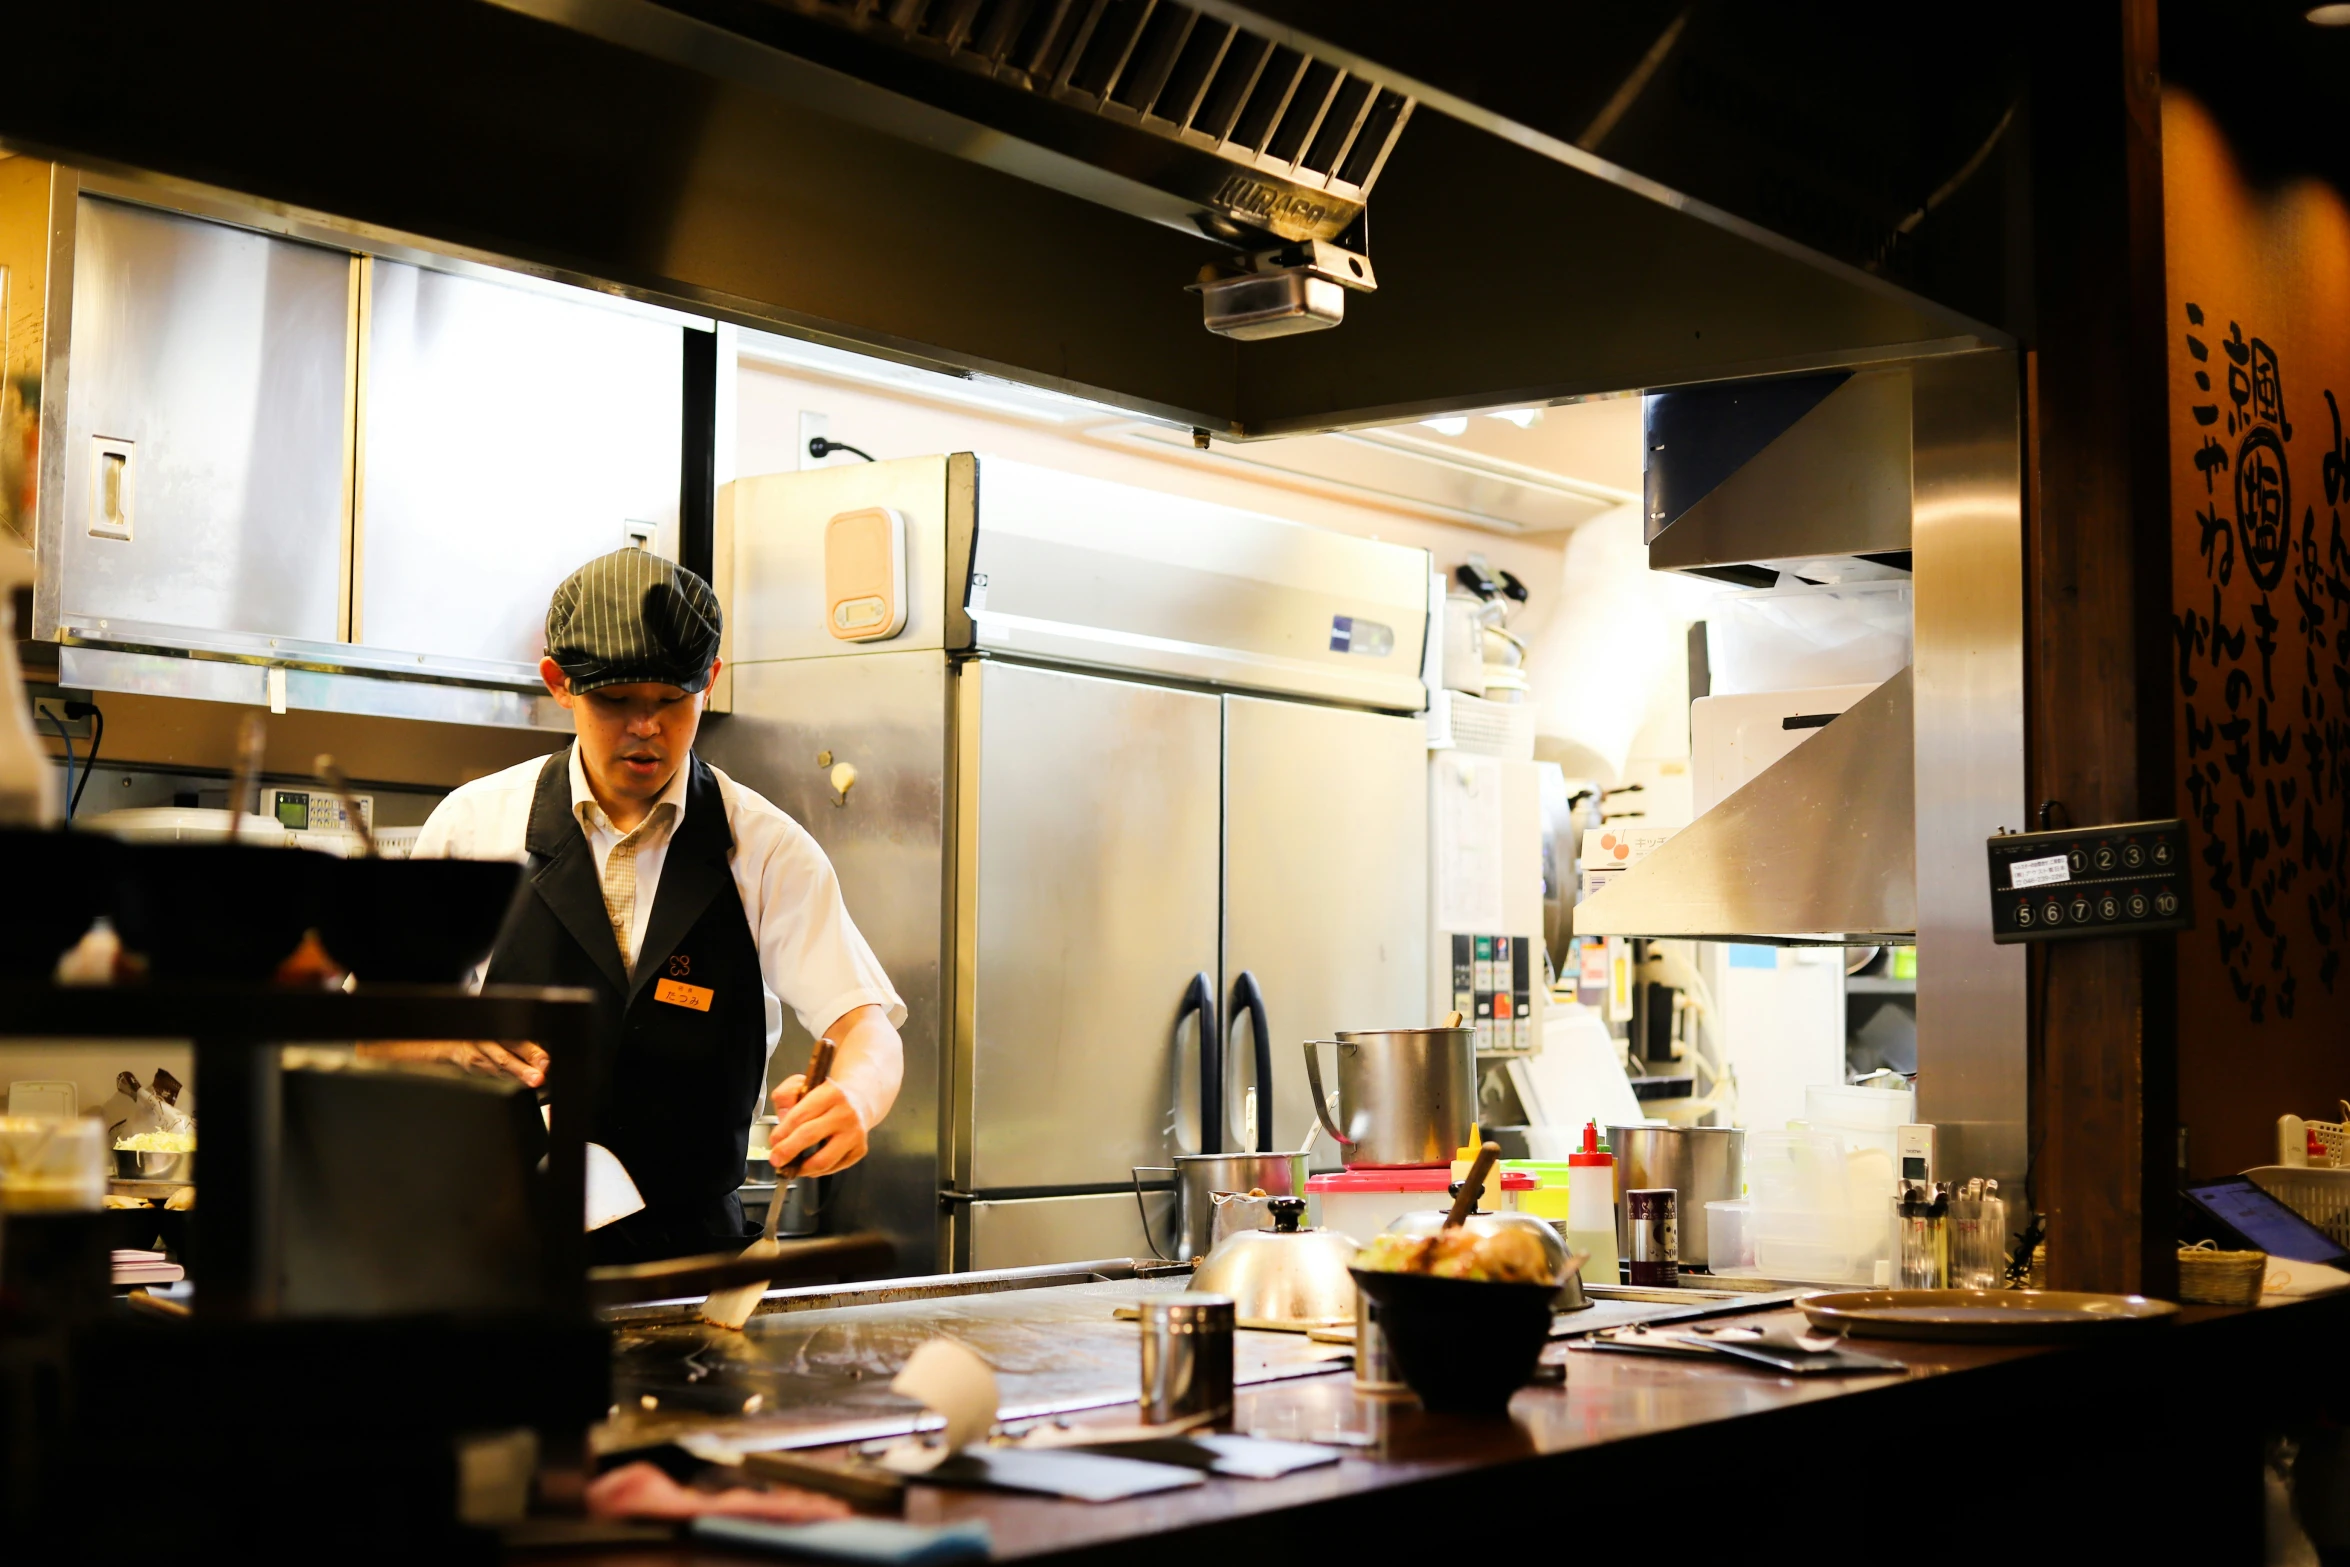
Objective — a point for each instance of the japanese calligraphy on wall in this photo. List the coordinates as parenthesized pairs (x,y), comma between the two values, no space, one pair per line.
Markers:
(2259,373)
(2267,770)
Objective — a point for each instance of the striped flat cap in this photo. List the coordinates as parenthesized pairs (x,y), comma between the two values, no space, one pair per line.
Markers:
(632,618)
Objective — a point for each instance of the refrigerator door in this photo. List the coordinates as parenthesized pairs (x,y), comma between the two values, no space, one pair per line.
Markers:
(1088,900)
(886,716)
(1325,886)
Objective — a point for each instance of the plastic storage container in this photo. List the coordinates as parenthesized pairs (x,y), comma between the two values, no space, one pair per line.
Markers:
(1729,1228)
(1868,1119)
(1360,1203)
(1548,1200)
(1802,1206)
(1833,634)
(47,1163)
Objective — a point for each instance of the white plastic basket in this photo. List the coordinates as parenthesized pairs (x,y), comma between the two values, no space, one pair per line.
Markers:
(2319,1195)
(2293,1136)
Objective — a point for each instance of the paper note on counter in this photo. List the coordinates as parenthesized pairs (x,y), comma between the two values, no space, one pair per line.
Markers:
(951,1382)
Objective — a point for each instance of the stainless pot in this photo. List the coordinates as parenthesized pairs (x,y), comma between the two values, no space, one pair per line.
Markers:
(1702,1163)
(1285,1274)
(1199,1177)
(1406,1096)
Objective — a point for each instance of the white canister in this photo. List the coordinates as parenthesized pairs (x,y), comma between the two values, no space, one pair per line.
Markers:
(48,1162)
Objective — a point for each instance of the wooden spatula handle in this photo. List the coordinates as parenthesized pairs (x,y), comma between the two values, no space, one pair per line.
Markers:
(1473,1187)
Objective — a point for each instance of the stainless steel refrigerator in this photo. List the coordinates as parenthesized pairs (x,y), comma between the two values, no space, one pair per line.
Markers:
(1124,750)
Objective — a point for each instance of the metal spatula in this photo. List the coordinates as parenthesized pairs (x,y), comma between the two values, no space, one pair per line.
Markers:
(731,1308)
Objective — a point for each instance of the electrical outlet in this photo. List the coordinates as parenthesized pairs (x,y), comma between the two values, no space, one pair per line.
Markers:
(48,703)
(812,424)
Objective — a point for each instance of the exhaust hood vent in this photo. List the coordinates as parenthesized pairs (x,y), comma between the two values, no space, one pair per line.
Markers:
(1819,849)
(1809,477)
(1146,105)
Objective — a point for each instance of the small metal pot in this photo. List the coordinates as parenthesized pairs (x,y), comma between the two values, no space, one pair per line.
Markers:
(1702,1163)
(1285,1274)
(1406,1096)
(132,1165)
(1198,1178)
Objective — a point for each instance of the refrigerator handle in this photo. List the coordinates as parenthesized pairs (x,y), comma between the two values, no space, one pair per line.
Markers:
(1249,996)
(1201,998)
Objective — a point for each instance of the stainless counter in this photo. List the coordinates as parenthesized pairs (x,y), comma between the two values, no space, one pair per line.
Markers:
(814,1366)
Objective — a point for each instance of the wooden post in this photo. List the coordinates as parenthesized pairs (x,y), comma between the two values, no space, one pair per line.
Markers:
(2098,611)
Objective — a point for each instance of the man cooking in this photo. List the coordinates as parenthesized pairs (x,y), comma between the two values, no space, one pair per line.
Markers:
(694,909)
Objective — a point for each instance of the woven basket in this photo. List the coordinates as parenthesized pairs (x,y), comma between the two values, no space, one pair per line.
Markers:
(2221,1278)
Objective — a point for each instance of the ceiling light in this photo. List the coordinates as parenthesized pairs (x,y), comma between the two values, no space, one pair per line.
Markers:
(2329,15)
(1523,418)
(1451,424)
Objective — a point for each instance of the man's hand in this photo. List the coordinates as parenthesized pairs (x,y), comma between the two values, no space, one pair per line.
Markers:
(834,1120)
(520,1060)
(804,1121)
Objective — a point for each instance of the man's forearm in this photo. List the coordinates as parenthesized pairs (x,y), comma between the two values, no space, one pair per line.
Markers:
(870,1062)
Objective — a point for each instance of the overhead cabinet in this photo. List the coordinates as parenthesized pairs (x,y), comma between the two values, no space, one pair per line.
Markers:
(206,420)
(273,466)
(506,437)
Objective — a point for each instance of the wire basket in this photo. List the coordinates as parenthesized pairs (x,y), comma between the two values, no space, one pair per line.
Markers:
(2332,1136)
(2210,1277)
(2319,1195)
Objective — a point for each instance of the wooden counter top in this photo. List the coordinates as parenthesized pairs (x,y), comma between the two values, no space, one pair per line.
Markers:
(2131,1441)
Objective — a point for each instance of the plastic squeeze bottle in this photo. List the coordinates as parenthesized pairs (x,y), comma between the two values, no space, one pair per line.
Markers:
(1591,1208)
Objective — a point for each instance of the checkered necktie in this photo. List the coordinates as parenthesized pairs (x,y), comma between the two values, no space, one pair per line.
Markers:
(619,879)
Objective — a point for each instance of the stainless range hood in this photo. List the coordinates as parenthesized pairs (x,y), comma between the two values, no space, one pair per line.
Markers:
(1751,483)
(1151,107)
(1820,849)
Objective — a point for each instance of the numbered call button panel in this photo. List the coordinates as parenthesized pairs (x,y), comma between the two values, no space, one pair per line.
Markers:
(2119,880)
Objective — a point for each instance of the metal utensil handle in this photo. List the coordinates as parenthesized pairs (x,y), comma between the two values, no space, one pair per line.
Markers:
(1248,996)
(1143,1209)
(1322,1100)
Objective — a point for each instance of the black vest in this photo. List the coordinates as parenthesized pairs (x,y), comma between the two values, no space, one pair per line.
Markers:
(685,1082)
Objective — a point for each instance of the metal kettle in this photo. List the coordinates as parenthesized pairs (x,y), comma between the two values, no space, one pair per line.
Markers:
(1285,1274)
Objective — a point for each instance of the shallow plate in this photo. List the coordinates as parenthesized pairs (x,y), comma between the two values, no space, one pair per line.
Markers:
(2000,1316)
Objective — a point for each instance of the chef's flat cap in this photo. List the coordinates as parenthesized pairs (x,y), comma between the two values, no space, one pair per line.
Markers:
(631,618)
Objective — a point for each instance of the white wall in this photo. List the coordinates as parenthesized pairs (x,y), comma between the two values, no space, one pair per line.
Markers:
(91,1068)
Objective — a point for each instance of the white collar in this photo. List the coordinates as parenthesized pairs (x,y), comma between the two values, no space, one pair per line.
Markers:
(673,795)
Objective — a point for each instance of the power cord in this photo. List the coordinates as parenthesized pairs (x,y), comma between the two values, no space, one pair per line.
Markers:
(820,448)
(88,710)
(74,712)
(65,737)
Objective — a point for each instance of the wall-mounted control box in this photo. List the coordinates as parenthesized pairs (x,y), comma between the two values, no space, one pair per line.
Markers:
(2124,879)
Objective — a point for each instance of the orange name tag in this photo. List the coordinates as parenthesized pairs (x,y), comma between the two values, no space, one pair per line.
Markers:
(677,995)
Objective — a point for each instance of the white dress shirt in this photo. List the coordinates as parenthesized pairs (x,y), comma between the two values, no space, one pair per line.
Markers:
(812,958)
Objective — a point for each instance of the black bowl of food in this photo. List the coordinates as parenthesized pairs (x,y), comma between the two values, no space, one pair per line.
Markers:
(416,921)
(59,882)
(1464,1345)
(229,912)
